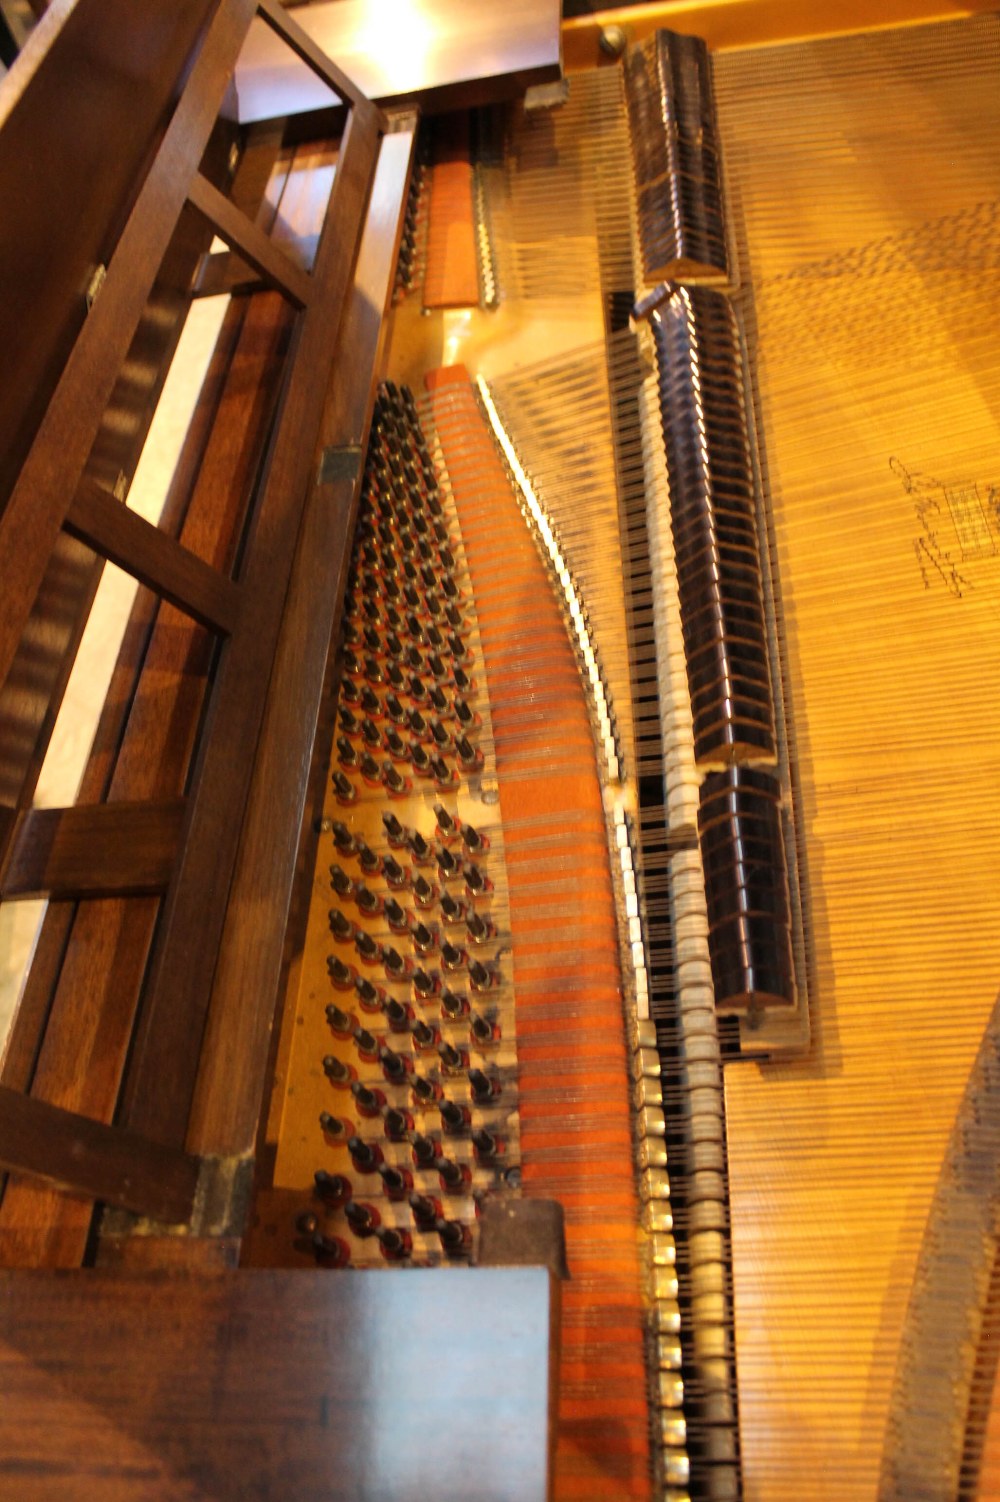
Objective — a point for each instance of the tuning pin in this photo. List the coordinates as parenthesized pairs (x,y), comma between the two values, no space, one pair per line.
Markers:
(418,725)
(414,660)
(454,617)
(370,1101)
(437,696)
(341,1023)
(480,929)
(396,967)
(393,645)
(447,865)
(398,1124)
(426,1092)
(342,838)
(364,1220)
(330,1251)
(334,1189)
(473,841)
(440,735)
(398,1181)
(461,680)
(340,925)
(424,939)
(454,1176)
(470,757)
(463,714)
(395,1242)
(455,1118)
(426,1211)
(395,832)
(393,872)
(395,745)
(418,845)
(367,948)
(366,1044)
(337,1071)
(452,957)
(352,665)
(394,1066)
(369,769)
(345,752)
(416,690)
(448,586)
(399,1015)
(368,901)
(419,759)
(369,702)
(348,723)
(367,859)
(456,1239)
(434,638)
(340,881)
(344,790)
(397,714)
(425,985)
(484,1087)
(482,978)
(452,1058)
(366,1156)
(423,892)
(424,1036)
(452,908)
(486,1147)
(370,996)
(396,916)
(335,1129)
(394,782)
(436,666)
(413,625)
(454,1005)
(425,1151)
(350,693)
(483,1031)
(341,975)
(476,881)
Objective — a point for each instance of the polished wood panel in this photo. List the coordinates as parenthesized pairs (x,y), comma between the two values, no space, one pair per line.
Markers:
(87,1157)
(277,828)
(286,1386)
(100,850)
(458,52)
(152,557)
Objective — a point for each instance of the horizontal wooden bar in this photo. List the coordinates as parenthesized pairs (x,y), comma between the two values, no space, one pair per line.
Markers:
(253,245)
(93,850)
(36,510)
(302,44)
(152,557)
(102,1162)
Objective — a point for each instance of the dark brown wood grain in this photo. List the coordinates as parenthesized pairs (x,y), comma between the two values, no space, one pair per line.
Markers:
(254,246)
(48,479)
(163,1068)
(280,1386)
(87,1157)
(76,130)
(278,818)
(152,557)
(100,850)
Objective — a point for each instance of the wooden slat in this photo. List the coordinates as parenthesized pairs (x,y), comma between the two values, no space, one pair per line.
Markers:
(87,1157)
(302,44)
(145,1388)
(164,1061)
(40,499)
(278,818)
(100,850)
(152,557)
(254,246)
(222,272)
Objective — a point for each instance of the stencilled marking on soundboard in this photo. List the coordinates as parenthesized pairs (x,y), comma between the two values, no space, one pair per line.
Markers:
(963,510)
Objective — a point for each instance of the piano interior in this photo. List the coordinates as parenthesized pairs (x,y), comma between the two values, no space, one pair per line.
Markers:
(641,856)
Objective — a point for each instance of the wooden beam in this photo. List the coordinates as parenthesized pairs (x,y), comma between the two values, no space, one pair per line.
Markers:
(162,1073)
(153,557)
(253,245)
(96,850)
(86,1157)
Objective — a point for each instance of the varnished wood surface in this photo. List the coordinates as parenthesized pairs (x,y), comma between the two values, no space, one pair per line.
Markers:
(96,850)
(434,54)
(102,1162)
(278,822)
(254,246)
(281,1387)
